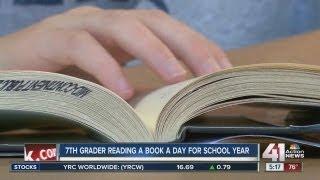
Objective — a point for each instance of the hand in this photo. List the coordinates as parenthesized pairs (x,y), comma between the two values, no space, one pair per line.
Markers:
(99,41)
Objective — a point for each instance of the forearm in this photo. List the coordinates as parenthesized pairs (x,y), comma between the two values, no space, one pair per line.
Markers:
(4,54)
(303,49)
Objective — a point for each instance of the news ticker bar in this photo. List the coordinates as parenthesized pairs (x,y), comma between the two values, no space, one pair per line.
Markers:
(133,167)
(163,152)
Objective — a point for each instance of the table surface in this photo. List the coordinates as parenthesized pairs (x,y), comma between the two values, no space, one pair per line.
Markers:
(296,49)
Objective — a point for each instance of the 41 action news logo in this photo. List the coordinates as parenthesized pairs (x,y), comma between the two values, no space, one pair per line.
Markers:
(277,152)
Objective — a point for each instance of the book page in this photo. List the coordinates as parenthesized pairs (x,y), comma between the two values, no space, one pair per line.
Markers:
(77,101)
(150,106)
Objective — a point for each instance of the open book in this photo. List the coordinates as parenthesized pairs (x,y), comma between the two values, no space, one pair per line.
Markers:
(172,113)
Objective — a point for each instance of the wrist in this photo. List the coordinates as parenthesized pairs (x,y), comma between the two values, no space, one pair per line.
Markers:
(4,54)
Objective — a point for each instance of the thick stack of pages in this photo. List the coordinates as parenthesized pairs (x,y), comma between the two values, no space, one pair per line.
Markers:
(286,97)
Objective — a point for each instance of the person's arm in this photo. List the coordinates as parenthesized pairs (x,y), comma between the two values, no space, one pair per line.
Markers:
(98,41)
(303,49)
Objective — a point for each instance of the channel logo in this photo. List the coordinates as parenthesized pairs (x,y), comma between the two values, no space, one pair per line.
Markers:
(294,147)
(278,152)
(275,152)
(295,152)
(40,152)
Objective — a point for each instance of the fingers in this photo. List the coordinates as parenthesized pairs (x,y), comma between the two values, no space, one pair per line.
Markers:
(151,36)
(199,54)
(143,44)
(133,37)
(220,55)
(86,53)
(155,38)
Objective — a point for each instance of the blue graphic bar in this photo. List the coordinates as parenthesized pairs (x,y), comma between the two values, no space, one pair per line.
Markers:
(132,167)
(158,152)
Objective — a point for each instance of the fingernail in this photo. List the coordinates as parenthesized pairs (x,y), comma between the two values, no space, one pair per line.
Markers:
(209,66)
(124,89)
(174,72)
(225,63)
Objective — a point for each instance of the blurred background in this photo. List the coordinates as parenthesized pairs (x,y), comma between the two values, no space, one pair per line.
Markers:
(230,23)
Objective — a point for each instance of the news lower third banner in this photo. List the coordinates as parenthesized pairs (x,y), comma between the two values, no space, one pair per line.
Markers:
(138,157)
(125,152)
